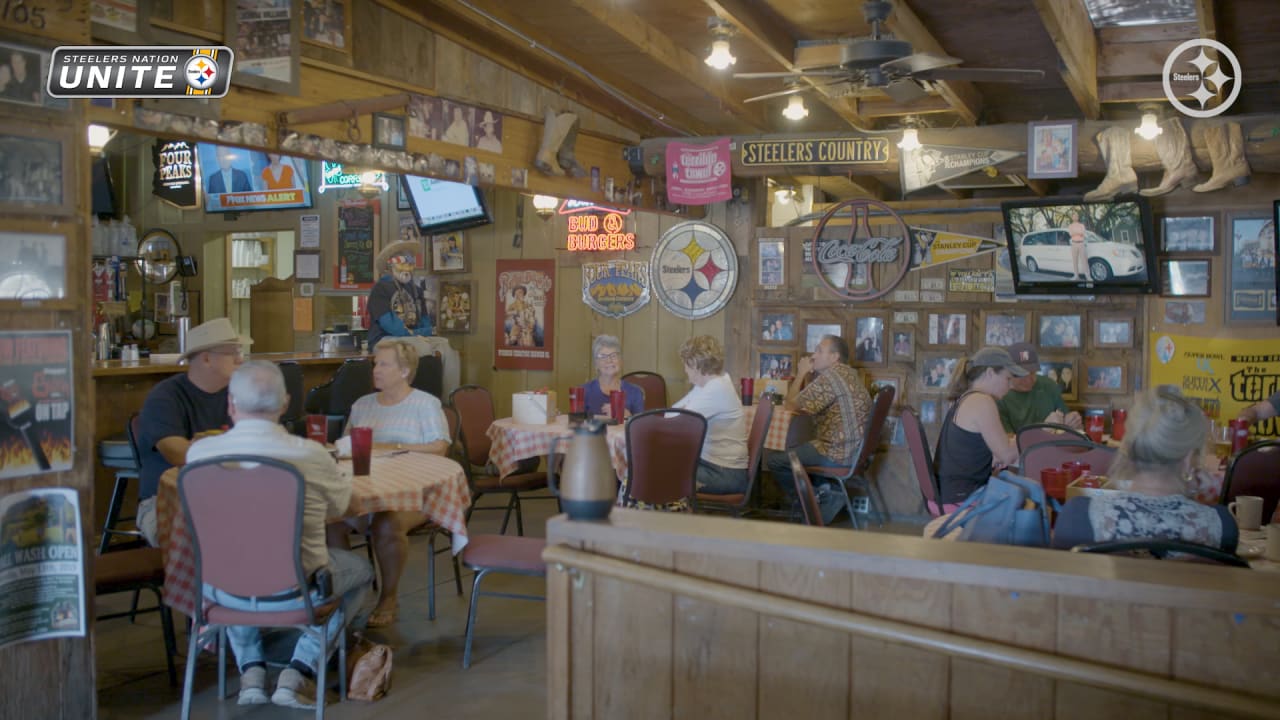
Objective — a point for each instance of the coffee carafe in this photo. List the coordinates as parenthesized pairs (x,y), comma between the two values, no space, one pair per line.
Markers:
(587,488)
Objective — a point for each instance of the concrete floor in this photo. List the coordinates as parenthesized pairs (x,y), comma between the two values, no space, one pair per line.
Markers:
(506,679)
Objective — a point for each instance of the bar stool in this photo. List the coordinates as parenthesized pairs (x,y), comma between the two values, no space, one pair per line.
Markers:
(122,454)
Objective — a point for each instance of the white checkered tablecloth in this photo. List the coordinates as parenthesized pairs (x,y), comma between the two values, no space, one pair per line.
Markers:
(776,438)
(404,481)
(513,442)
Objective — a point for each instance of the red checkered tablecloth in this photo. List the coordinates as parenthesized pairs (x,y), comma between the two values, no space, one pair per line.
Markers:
(776,438)
(402,481)
(513,442)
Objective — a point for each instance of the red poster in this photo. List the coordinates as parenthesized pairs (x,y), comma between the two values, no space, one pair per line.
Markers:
(524,336)
(38,401)
(698,174)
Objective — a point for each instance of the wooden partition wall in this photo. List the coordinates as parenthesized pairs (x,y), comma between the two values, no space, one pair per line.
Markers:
(655,615)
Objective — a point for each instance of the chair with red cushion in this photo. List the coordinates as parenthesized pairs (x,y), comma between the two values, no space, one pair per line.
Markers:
(857,472)
(736,503)
(1255,471)
(653,385)
(244,517)
(921,461)
(663,447)
(501,554)
(431,529)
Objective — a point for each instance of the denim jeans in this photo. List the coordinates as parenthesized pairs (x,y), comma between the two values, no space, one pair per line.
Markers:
(718,480)
(352,578)
(779,465)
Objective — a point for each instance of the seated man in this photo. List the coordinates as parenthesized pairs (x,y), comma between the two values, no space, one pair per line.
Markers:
(1033,398)
(256,400)
(1258,412)
(184,407)
(840,405)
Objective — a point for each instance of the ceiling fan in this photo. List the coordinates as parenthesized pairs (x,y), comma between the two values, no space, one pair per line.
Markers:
(881,61)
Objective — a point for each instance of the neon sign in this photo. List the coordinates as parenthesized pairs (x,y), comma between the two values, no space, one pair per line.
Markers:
(569,206)
(585,234)
(334,176)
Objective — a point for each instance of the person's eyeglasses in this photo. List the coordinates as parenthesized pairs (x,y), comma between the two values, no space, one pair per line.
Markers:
(609,356)
(237,352)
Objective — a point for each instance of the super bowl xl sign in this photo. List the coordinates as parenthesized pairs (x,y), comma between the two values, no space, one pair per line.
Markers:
(846,260)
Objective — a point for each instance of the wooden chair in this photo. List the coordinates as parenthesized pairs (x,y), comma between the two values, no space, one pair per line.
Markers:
(736,503)
(1037,433)
(922,461)
(133,571)
(653,385)
(663,447)
(1255,470)
(809,510)
(431,529)
(857,472)
(1052,454)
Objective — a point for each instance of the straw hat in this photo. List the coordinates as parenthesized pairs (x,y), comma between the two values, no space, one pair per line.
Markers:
(212,334)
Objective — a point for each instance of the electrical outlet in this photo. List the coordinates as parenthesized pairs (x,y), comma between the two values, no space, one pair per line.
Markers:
(861,504)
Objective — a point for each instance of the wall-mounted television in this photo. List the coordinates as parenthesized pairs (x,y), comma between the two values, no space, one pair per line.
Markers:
(1065,246)
(239,180)
(442,206)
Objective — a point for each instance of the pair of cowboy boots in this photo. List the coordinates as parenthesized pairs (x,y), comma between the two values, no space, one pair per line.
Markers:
(555,155)
(1224,141)
(1113,142)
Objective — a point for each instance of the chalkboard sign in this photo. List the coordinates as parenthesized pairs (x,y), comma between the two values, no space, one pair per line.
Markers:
(355,245)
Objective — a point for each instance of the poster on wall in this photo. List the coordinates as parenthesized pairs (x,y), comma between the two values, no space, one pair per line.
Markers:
(524,326)
(698,174)
(1252,281)
(615,288)
(357,220)
(1223,375)
(41,572)
(177,175)
(37,401)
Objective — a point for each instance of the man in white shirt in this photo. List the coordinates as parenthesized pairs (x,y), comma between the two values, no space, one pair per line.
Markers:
(722,467)
(256,399)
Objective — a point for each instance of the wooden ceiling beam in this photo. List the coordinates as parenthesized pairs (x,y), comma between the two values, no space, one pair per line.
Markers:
(873,108)
(1072,33)
(963,97)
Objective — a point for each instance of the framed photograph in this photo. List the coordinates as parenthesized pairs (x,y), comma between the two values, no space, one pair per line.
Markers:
(929,412)
(1107,379)
(424,117)
(1059,331)
(456,122)
(935,372)
(41,158)
(1185,312)
(773,263)
(125,22)
(33,266)
(948,329)
(1051,149)
(388,131)
(775,366)
(488,132)
(1112,331)
(1191,234)
(868,340)
(1251,279)
(1185,278)
(1004,329)
(402,198)
(23,71)
(904,344)
(455,306)
(163,314)
(449,253)
(327,23)
(265,36)
(1064,374)
(878,381)
(813,333)
(777,327)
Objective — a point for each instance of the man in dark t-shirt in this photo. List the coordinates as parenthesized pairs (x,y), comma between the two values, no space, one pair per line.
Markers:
(185,407)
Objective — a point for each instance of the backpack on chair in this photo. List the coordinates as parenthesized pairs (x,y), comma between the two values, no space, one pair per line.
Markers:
(368,670)
(1008,510)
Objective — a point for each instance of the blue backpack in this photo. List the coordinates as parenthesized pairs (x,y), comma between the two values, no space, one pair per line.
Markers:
(1008,510)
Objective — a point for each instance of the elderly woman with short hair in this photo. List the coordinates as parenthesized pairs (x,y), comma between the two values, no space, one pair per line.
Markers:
(606,352)
(722,467)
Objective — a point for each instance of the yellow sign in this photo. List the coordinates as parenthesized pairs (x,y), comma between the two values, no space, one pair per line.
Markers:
(936,247)
(1223,375)
(824,151)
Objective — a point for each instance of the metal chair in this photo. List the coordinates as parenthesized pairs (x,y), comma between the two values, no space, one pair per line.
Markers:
(352,381)
(809,509)
(133,571)
(501,554)
(1255,470)
(1037,433)
(293,419)
(244,516)
(653,385)
(1052,454)
(1160,548)
(133,431)
(431,529)
(663,447)
(862,460)
(736,503)
(922,461)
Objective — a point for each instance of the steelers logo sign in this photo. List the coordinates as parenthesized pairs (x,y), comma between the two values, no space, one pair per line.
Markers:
(201,72)
(694,270)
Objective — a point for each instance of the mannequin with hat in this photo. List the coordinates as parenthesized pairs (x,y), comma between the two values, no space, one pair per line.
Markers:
(1033,398)
(397,307)
(185,407)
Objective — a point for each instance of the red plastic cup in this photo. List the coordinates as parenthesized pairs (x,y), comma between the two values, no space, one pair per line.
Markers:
(1239,435)
(748,390)
(577,399)
(618,404)
(1055,482)
(1094,427)
(1075,468)
(361,449)
(318,428)
(1118,417)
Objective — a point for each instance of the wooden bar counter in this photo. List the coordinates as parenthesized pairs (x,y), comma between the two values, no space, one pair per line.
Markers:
(121,387)
(667,615)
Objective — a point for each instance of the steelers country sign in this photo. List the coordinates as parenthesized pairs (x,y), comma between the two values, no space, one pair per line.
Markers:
(140,72)
(694,270)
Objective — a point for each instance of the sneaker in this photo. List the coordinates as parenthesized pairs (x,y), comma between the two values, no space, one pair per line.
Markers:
(253,686)
(295,690)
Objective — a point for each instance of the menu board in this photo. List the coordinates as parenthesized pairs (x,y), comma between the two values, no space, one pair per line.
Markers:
(356,230)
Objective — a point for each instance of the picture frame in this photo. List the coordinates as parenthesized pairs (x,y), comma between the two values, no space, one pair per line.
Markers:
(270,64)
(869,340)
(1065,373)
(450,253)
(402,198)
(775,366)
(327,23)
(813,332)
(1186,278)
(876,381)
(1251,276)
(772,263)
(1111,331)
(124,22)
(1052,149)
(902,345)
(389,131)
(936,371)
(41,155)
(35,266)
(1059,331)
(929,414)
(1185,312)
(307,266)
(1003,329)
(1186,234)
(1107,379)
(31,92)
(777,328)
(456,313)
(949,329)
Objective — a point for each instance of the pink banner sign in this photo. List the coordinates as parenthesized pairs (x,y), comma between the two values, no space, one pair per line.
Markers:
(698,174)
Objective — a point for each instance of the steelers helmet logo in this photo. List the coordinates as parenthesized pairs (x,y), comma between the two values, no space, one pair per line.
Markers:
(201,72)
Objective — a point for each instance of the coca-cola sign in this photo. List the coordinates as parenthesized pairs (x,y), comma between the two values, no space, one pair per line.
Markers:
(846,258)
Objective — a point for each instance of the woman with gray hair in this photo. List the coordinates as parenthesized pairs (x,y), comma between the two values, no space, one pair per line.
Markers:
(606,353)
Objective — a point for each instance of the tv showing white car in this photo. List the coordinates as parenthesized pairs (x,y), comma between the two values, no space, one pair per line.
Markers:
(1050,251)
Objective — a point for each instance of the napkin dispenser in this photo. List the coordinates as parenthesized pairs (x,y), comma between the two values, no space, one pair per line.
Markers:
(534,408)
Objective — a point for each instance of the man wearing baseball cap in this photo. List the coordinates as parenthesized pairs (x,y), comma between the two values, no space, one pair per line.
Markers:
(1033,398)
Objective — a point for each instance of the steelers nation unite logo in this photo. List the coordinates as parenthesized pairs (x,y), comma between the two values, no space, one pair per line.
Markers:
(201,72)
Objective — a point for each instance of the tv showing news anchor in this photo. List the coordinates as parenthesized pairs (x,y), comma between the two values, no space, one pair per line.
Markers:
(238,180)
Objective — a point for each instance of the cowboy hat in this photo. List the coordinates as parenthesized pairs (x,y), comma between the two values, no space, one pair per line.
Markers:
(212,334)
(488,120)
(404,252)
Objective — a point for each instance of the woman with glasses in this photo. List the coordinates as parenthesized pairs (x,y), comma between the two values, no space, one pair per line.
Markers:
(607,354)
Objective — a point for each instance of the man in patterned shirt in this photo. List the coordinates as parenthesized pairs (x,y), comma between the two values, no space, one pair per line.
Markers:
(840,405)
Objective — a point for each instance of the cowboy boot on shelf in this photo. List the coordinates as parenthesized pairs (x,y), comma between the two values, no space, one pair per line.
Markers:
(1114,144)
(1226,150)
(554,130)
(565,156)
(1174,148)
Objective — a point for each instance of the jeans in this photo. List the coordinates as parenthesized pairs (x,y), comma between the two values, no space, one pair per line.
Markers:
(779,465)
(352,578)
(718,480)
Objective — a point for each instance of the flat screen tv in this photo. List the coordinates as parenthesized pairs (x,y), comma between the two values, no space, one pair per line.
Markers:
(442,206)
(1064,246)
(104,190)
(239,180)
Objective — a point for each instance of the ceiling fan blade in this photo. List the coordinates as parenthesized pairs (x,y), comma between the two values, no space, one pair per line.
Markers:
(998,75)
(919,62)
(905,91)
(780,93)
(766,75)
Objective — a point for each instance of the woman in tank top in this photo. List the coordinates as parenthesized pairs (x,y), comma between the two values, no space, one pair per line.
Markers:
(973,440)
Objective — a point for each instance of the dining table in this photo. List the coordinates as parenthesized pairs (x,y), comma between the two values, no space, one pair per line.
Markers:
(398,480)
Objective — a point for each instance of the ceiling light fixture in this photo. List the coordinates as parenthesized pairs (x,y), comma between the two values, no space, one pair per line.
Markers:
(784,194)
(720,57)
(1150,126)
(99,136)
(545,205)
(795,109)
(910,140)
